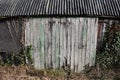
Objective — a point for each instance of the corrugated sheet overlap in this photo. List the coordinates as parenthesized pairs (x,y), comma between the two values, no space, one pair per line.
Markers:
(60,7)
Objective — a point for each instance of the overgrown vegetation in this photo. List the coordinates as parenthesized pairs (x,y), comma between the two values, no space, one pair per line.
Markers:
(24,57)
(109,54)
(108,57)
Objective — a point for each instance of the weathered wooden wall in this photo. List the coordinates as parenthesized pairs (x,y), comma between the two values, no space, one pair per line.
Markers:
(62,41)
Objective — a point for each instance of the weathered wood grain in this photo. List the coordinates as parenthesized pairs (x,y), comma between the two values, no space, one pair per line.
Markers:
(61,42)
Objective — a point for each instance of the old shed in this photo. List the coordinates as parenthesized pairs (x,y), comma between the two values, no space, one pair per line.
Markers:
(61,32)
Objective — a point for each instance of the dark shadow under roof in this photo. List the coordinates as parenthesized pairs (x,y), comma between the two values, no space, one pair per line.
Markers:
(60,7)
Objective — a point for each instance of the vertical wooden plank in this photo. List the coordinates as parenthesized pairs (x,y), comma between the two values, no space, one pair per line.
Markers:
(53,44)
(68,41)
(85,39)
(56,37)
(73,44)
(46,43)
(41,39)
(56,44)
(96,33)
(34,42)
(61,41)
(88,42)
(64,39)
(27,32)
(91,37)
(79,45)
(32,30)
(90,48)
(50,44)
(82,44)
(75,32)
(31,34)
(59,52)
(83,34)
(94,40)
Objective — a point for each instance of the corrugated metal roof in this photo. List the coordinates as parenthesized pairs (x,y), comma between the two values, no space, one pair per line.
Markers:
(60,7)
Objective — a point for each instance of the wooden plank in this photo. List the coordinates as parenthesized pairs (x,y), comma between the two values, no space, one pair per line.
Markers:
(61,43)
(74,41)
(59,65)
(49,44)
(32,43)
(88,42)
(79,45)
(91,42)
(46,43)
(64,39)
(95,28)
(27,33)
(76,45)
(72,45)
(56,44)
(53,44)
(69,41)
(82,44)
(85,39)
(75,49)
(41,39)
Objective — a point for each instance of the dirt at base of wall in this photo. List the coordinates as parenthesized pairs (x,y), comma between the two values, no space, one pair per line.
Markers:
(15,73)
(22,73)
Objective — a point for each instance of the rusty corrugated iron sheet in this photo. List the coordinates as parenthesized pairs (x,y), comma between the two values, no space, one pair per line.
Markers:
(60,7)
